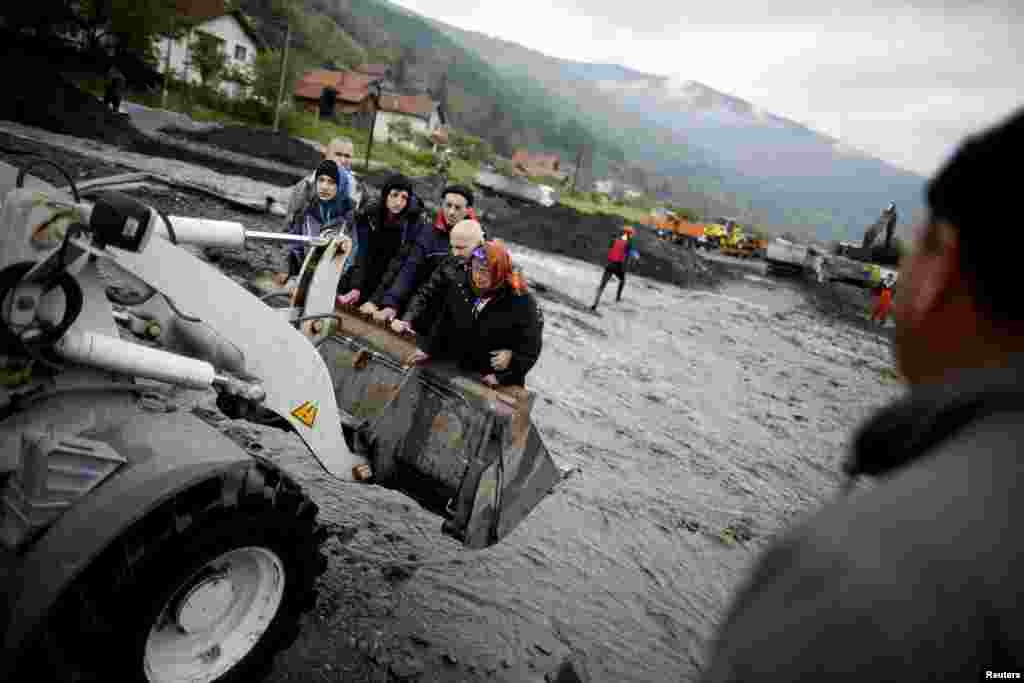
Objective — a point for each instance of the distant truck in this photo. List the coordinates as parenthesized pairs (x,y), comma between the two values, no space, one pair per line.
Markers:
(785,258)
(516,188)
(790,258)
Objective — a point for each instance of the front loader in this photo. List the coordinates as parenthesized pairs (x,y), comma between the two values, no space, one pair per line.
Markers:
(138,543)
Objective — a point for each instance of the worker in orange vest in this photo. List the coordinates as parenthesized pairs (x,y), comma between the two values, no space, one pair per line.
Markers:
(619,252)
(884,291)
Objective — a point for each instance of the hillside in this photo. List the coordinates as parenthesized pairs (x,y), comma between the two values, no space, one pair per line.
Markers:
(717,144)
(708,150)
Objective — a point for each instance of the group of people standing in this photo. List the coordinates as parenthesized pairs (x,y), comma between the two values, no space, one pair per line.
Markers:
(437,279)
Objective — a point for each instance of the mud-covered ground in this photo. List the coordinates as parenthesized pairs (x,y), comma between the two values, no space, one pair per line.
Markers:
(696,424)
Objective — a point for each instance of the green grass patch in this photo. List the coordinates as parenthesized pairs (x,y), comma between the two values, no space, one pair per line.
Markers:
(584,203)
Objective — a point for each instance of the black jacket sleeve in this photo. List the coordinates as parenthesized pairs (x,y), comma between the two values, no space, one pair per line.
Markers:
(436,341)
(525,343)
(430,294)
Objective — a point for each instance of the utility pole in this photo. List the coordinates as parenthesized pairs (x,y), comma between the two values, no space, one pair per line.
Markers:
(284,70)
(375,102)
(576,172)
(167,66)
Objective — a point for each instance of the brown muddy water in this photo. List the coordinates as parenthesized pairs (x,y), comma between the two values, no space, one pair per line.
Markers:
(696,425)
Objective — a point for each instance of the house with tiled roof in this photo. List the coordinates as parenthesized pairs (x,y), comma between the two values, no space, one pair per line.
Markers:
(211,20)
(423,114)
(352,88)
(537,164)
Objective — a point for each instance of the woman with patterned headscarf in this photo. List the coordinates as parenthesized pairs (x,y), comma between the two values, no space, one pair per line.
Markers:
(490,323)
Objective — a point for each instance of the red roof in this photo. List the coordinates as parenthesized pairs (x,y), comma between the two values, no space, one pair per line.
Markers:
(201,10)
(351,86)
(412,105)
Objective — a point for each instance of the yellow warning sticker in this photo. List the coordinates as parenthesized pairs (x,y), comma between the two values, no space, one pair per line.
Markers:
(306,413)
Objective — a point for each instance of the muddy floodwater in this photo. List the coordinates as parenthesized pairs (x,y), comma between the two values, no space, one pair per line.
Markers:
(695,426)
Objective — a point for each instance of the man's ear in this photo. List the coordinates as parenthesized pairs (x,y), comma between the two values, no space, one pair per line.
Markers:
(937,272)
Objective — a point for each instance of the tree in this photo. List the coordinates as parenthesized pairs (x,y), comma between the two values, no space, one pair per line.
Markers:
(401,131)
(209,58)
(470,148)
(267,75)
(135,24)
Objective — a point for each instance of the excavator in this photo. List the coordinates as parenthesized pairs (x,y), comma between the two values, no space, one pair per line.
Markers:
(137,541)
(869,263)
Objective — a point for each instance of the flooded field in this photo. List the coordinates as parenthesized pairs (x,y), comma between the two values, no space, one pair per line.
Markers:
(695,425)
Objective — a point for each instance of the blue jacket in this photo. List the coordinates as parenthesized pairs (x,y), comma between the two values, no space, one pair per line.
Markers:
(423,247)
(310,223)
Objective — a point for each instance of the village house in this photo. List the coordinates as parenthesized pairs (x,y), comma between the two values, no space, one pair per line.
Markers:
(352,88)
(537,164)
(229,29)
(422,113)
(617,190)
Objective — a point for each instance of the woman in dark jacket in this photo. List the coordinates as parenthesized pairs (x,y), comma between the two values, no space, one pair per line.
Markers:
(327,207)
(381,230)
(490,323)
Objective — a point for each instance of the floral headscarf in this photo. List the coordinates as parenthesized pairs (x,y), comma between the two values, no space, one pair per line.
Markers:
(495,257)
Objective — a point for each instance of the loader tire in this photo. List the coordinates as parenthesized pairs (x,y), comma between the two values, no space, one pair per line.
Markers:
(209,586)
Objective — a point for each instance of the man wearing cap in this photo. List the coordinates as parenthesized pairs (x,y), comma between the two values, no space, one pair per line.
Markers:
(619,251)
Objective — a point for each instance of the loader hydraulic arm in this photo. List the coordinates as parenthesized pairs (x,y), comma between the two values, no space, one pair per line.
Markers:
(234,341)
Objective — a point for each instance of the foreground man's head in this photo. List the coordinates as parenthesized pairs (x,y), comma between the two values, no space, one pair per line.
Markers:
(957,303)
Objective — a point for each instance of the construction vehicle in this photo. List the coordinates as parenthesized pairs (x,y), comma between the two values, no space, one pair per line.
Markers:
(734,241)
(516,189)
(718,232)
(867,264)
(138,542)
(784,257)
(676,229)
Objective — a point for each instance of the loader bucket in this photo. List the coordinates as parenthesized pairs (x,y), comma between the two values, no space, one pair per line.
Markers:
(459,448)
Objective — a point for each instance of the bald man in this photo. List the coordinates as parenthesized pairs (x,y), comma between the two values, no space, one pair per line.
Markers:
(466,236)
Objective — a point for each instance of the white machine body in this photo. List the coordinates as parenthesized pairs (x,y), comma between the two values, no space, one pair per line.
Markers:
(195,305)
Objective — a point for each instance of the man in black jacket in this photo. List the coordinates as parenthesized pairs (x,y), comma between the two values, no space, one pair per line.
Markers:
(424,307)
(921,577)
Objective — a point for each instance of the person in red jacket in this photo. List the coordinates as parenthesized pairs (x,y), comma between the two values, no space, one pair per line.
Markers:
(884,301)
(619,252)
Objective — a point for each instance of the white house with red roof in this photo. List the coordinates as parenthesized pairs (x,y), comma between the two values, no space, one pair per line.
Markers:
(211,20)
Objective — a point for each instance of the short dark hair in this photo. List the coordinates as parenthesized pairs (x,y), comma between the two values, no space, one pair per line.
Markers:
(972,192)
(460,190)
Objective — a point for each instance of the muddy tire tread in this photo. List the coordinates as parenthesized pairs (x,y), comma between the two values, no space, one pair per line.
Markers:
(90,617)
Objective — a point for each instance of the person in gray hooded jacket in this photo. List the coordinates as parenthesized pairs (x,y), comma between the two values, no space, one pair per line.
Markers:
(919,577)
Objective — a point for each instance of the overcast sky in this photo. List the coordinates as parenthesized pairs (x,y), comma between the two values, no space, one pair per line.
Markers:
(903,81)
